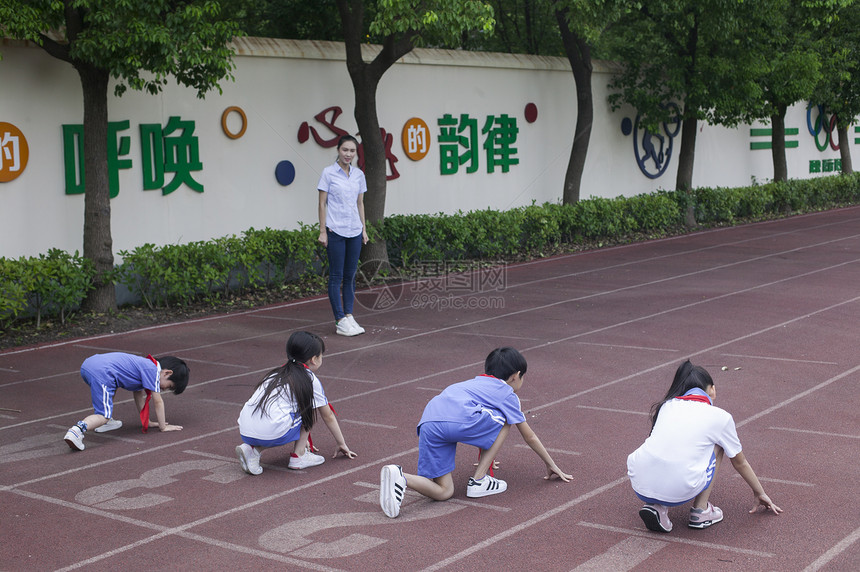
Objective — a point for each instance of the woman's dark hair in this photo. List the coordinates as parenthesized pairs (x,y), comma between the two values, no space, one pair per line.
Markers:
(687,377)
(180,370)
(505,362)
(344,138)
(294,377)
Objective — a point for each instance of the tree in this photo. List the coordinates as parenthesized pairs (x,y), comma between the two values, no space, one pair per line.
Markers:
(400,25)
(699,53)
(139,43)
(793,56)
(839,89)
(580,24)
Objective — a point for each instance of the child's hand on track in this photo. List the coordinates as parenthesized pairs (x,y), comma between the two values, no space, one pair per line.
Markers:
(763,500)
(346,452)
(550,471)
(167,427)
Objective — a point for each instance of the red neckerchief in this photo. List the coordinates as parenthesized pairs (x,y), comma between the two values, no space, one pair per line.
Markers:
(144,413)
(700,398)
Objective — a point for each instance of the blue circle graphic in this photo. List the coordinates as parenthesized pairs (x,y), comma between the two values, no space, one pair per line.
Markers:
(285,173)
(626,126)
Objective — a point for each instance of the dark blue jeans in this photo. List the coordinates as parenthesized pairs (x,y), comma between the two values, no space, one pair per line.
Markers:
(343,256)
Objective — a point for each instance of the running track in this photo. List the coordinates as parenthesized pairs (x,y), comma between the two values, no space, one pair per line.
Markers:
(772,310)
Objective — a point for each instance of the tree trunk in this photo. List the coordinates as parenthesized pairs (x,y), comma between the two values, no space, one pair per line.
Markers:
(686,156)
(98,244)
(780,167)
(844,149)
(579,55)
(365,78)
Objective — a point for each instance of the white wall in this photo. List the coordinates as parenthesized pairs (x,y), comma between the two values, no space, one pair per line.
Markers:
(280,84)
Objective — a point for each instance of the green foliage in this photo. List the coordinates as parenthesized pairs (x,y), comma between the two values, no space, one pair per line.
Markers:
(208,271)
(437,20)
(211,270)
(140,42)
(52,283)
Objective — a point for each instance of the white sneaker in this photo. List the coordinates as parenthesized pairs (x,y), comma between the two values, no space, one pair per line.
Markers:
(75,438)
(485,487)
(249,458)
(345,327)
(307,460)
(355,325)
(392,488)
(109,426)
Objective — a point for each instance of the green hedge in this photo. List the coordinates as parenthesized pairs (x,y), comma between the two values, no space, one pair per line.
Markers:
(179,274)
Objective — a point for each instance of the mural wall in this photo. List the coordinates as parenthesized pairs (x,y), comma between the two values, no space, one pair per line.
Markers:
(464,131)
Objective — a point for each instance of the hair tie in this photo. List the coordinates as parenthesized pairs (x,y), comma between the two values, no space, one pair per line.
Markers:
(292,360)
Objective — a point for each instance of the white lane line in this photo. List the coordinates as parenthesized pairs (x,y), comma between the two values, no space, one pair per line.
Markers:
(523,525)
(367,423)
(834,551)
(617,346)
(811,432)
(782,481)
(800,395)
(699,543)
(624,556)
(772,358)
(550,449)
(611,410)
(182,530)
(222,402)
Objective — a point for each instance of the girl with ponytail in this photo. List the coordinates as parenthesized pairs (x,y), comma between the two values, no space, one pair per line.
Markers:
(284,408)
(678,462)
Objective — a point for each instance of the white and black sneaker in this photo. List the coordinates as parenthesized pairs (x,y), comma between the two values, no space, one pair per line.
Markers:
(111,425)
(485,487)
(75,438)
(392,488)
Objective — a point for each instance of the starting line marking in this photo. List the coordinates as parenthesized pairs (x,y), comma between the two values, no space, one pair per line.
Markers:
(559,451)
(624,556)
(810,431)
(611,410)
(783,482)
(699,543)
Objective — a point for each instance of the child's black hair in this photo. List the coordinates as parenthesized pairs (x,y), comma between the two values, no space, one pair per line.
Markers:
(294,377)
(181,372)
(505,362)
(687,377)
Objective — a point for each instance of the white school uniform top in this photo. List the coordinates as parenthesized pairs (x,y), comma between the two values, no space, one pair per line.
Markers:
(281,415)
(671,464)
(342,191)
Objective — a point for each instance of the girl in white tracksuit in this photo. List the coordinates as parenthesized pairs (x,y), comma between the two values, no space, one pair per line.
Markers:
(678,462)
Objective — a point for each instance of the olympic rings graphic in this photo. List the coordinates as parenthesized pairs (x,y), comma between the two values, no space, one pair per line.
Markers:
(821,124)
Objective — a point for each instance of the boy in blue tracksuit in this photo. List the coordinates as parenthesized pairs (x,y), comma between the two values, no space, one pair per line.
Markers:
(147,377)
(476,412)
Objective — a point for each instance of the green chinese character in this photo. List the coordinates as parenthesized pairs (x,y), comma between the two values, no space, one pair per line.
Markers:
(152,156)
(815,166)
(450,142)
(181,155)
(827,165)
(73,156)
(499,142)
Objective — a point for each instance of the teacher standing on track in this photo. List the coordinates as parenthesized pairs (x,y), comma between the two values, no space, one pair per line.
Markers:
(342,231)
